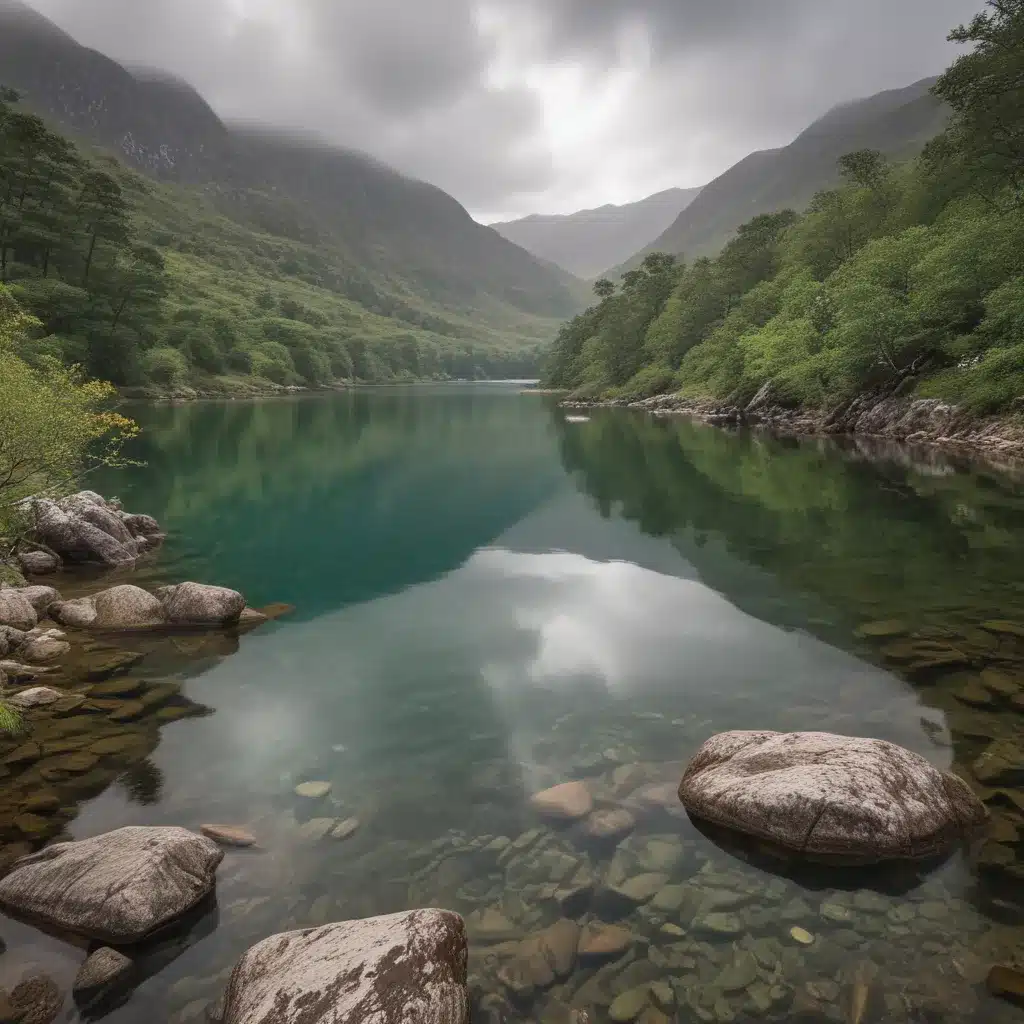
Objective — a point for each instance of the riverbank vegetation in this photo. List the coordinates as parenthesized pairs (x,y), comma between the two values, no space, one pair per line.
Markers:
(907,278)
(156,287)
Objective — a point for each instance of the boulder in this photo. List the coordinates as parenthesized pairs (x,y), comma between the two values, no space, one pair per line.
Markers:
(37,697)
(613,823)
(566,802)
(75,537)
(34,1000)
(122,607)
(102,972)
(828,797)
(43,645)
(16,610)
(39,563)
(384,970)
(118,887)
(41,598)
(198,604)
(11,639)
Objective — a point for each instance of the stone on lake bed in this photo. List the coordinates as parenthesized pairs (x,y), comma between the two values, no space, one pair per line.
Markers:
(801,935)
(599,941)
(629,1005)
(34,1000)
(102,971)
(313,790)
(1005,981)
(345,829)
(737,975)
(316,828)
(228,835)
(882,628)
(118,887)
(829,797)
(568,801)
(612,823)
(396,969)
(719,924)
(974,694)
(1000,764)
(1004,627)
(1001,683)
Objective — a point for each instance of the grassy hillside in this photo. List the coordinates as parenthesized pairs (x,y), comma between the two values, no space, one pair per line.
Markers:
(270,254)
(588,241)
(897,122)
(906,278)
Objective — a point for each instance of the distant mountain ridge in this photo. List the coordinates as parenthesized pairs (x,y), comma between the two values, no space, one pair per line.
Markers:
(409,234)
(898,122)
(587,242)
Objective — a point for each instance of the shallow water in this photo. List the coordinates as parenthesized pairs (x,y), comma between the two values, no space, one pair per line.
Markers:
(489,601)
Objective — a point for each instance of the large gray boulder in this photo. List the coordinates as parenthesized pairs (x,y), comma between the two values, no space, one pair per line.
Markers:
(198,604)
(118,887)
(122,607)
(85,527)
(16,610)
(407,968)
(828,797)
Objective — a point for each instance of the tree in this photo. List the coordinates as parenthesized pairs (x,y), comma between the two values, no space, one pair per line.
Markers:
(603,288)
(865,167)
(985,88)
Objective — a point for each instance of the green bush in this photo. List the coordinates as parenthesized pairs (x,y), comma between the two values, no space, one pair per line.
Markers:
(165,366)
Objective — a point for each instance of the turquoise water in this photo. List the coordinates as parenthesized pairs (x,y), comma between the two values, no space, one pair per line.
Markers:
(490,600)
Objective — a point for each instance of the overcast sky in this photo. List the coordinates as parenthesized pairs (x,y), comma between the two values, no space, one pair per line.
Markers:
(532,106)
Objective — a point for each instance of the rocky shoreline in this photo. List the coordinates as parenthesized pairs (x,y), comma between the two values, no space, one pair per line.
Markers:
(913,421)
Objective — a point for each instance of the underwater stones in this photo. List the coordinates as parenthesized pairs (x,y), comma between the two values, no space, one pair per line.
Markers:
(974,694)
(43,647)
(1006,982)
(490,926)
(34,1000)
(740,972)
(551,953)
(882,628)
(718,924)
(313,790)
(568,801)
(829,797)
(107,662)
(1001,764)
(1000,683)
(383,970)
(600,941)
(622,898)
(344,829)
(316,828)
(836,912)
(117,887)
(629,1005)
(228,835)
(1004,627)
(669,898)
(613,823)
(801,935)
(103,971)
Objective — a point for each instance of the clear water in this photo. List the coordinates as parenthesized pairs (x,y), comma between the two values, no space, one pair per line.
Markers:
(490,600)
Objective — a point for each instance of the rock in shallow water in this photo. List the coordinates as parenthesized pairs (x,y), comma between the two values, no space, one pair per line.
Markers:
(198,604)
(830,797)
(16,610)
(398,969)
(566,802)
(122,607)
(228,835)
(118,887)
(105,970)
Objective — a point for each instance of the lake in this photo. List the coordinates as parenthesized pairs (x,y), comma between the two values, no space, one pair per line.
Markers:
(490,599)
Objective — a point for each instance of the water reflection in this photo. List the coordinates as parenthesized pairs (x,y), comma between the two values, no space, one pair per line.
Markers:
(492,601)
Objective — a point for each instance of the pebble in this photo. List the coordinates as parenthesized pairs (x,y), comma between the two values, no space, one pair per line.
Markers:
(629,1005)
(312,790)
(1005,981)
(719,924)
(801,935)
(316,828)
(228,835)
(836,912)
(345,829)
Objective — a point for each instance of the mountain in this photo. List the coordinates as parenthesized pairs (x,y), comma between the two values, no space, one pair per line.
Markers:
(412,238)
(589,241)
(897,122)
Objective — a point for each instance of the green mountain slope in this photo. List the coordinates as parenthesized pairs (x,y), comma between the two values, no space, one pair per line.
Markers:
(587,242)
(897,122)
(379,254)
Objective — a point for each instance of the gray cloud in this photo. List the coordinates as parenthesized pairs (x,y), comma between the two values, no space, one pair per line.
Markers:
(516,106)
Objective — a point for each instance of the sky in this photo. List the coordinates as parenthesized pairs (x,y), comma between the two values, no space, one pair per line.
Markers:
(532,106)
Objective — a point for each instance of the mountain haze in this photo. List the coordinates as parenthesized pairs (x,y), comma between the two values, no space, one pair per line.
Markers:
(589,241)
(897,122)
(410,237)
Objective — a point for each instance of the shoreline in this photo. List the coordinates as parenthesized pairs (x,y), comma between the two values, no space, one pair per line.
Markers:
(910,421)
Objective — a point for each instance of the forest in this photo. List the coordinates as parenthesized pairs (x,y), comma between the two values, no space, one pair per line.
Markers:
(154,286)
(908,278)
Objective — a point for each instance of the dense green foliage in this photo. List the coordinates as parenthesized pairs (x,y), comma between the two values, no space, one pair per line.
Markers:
(151,284)
(907,276)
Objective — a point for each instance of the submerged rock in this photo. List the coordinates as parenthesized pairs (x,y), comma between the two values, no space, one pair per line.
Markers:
(118,887)
(1005,981)
(35,1000)
(39,563)
(599,941)
(566,802)
(228,835)
(1001,764)
(36,697)
(383,970)
(610,824)
(829,797)
(105,970)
